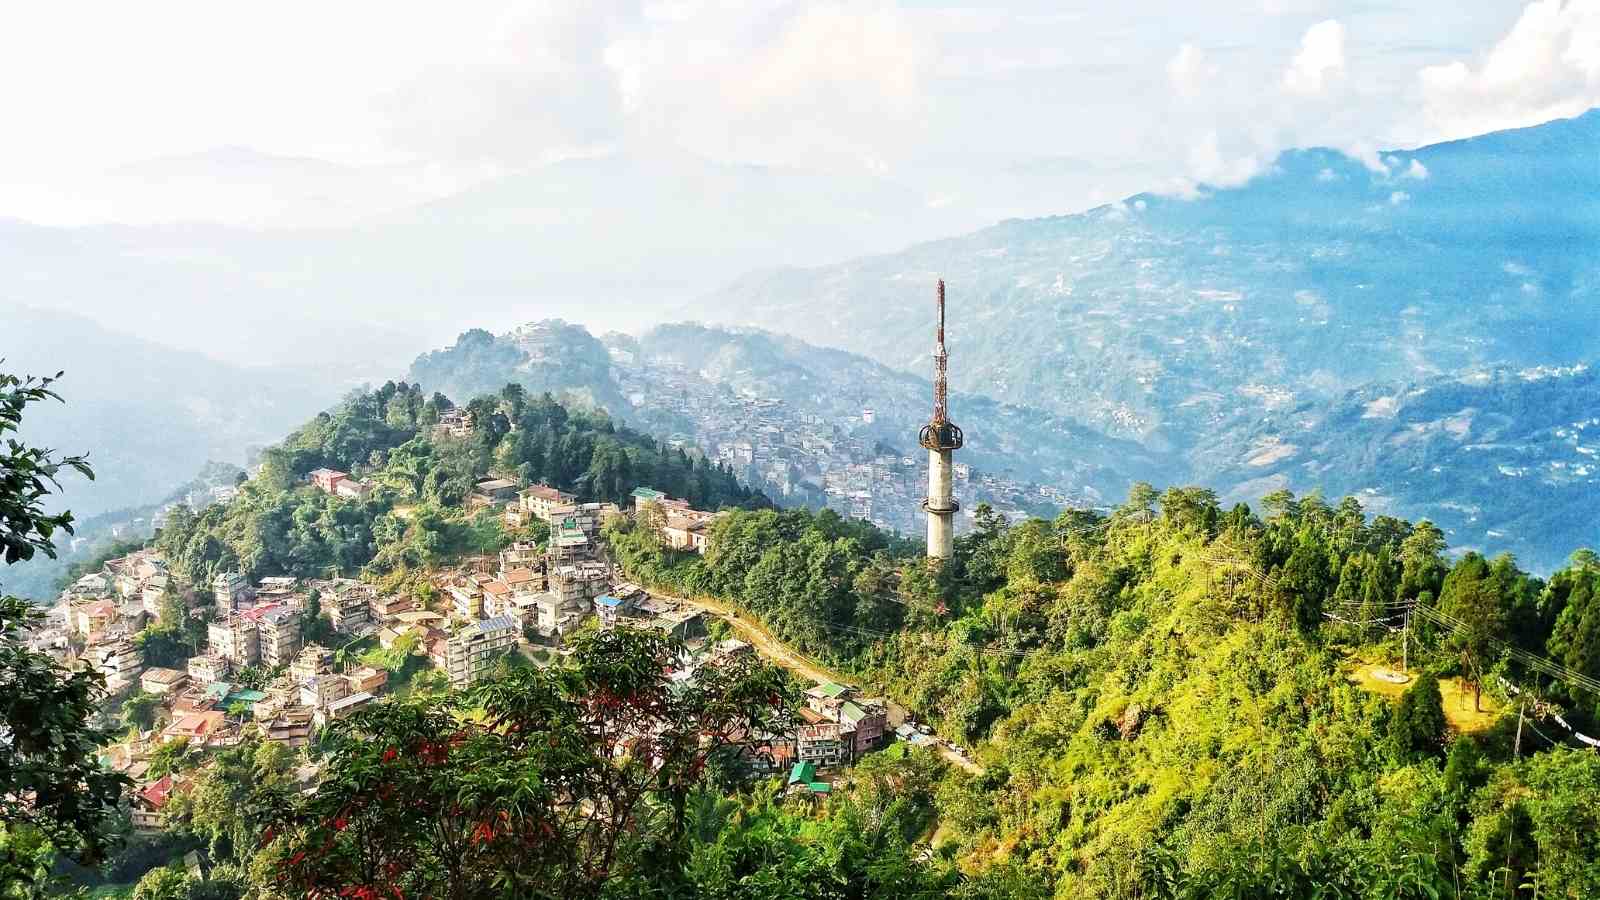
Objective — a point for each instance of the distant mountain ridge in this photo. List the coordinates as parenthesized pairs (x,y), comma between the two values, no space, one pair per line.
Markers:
(566,360)
(147,415)
(1502,460)
(1162,317)
(1219,330)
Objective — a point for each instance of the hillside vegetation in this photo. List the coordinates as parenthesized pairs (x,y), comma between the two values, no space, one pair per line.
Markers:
(1165,704)
(1167,700)
(281,526)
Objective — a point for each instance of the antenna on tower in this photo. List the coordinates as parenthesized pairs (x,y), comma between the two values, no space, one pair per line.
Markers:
(941,361)
(940,433)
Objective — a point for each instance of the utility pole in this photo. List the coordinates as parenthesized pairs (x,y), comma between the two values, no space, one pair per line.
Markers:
(1405,641)
(1516,750)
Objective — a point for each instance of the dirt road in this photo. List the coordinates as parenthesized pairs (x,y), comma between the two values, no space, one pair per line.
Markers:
(793,660)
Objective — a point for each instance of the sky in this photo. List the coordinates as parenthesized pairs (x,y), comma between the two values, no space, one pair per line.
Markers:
(305,114)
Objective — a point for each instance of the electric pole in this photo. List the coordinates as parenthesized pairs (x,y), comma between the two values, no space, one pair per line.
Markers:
(1405,641)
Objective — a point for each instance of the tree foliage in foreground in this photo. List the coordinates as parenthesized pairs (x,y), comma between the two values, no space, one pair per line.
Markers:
(558,782)
(54,794)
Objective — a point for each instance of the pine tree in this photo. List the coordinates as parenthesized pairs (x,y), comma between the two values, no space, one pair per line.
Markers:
(1418,726)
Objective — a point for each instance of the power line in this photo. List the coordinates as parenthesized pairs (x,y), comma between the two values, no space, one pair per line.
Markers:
(1531,660)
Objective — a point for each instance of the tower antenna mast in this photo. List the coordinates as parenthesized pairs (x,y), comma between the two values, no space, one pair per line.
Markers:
(941,362)
(941,436)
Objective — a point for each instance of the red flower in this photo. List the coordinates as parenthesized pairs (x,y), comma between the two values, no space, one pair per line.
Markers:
(339,823)
(390,754)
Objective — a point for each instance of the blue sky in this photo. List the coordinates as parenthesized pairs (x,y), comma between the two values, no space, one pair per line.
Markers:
(385,103)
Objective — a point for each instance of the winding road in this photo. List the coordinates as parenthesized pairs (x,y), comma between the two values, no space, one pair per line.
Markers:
(795,661)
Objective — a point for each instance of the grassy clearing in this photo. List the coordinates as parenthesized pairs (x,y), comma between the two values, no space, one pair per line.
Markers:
(1455,692)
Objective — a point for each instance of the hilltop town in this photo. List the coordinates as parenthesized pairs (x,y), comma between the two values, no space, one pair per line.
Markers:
(282,657)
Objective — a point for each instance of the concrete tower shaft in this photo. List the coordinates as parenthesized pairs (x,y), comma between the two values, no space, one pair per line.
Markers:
(941,437)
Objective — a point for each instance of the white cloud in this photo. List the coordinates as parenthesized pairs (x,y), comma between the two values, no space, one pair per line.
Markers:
(1319,61)
(1209,165)
(1398,197)
(820,85)
(539,89)
(1546,67)
(1416,171)
(1189,70)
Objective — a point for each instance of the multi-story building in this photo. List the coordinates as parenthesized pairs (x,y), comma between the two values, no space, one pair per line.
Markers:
(318,691)
(146,804)
(343,707)
(208,668)
(235,639)
(280,637)
(687,532)
(473,650)
(610,609)
(291,726)
(521,555)
(456,423)
(554,616)
(384,607)
(542,498)
(578,583)
(312,660)
(496,598)
(118,661)
(94,616)
(231,590)
(466,600)
(348,606)
(522,580)
(152,593)
(644,495)
(327,480)
(162,681)
(367,679)
(822,744)
(863,723)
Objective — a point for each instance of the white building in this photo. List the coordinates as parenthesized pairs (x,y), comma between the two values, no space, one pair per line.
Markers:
(472,651)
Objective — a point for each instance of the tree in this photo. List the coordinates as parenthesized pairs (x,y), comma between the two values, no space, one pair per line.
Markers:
(576,776)
(1305,581)
(51,782)
(168,757)
(1418,725)
(1470,596)
(139,711)
(164,883)
(27,475)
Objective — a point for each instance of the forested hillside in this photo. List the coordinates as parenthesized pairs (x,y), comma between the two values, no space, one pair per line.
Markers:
(1175,700)
(281,526)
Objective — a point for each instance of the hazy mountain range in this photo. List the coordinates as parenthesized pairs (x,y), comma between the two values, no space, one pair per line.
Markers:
(616,241)
(148,416)
(1213,328)
(811,381)
(1406,327)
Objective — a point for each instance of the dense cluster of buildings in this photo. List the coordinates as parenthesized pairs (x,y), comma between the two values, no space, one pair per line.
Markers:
(257,672)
